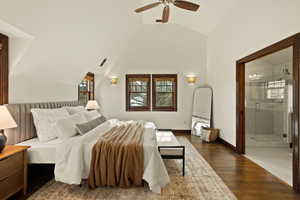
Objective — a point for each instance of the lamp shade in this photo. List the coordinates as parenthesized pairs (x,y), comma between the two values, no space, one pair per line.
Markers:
(6,120)
(92,105)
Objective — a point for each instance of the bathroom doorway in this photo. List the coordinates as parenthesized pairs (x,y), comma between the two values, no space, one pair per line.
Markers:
(268,112)
(267,108)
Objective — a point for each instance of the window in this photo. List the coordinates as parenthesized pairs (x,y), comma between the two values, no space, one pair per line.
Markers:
(4,68)
(138,92)
(164,92)
(86,89)
(276,89)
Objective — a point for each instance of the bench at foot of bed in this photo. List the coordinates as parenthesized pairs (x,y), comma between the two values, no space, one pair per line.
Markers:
(170,148)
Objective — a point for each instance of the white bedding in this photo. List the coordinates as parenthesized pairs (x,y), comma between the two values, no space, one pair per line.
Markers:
(41,152)
(73,157)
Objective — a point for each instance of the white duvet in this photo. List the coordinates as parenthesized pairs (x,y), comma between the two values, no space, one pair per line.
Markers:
(73,157)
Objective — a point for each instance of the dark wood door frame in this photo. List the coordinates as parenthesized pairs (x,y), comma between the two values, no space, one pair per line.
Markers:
(4,68)
(294,42)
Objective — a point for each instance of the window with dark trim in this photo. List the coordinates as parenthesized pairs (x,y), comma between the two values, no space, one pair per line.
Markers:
(4,68)
(164,92)
(86,89)
(138,92)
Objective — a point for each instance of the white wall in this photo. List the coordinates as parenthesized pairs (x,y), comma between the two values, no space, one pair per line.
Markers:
(69,38)
(252,26)
(157,49)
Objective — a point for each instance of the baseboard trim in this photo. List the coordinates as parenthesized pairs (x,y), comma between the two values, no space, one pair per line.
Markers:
(160,129)
(181,131)
(227,144)
(177,131)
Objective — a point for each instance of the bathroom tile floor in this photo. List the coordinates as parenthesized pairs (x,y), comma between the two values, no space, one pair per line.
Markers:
(276,160)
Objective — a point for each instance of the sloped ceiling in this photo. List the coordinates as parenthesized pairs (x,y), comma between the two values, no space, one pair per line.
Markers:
(73,36)
(70,36)
(209,15)
(61,40)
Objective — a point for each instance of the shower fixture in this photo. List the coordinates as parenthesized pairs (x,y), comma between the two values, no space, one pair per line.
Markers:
(285,70)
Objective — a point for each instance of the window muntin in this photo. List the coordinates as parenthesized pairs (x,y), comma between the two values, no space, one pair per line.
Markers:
(164,92)
(276,89)
(137,92)
(86,89)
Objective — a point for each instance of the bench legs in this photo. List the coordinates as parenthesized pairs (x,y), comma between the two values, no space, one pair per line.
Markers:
(183,162)
(181,157)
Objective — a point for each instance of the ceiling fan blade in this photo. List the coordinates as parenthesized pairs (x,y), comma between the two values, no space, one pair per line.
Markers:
(186,5)
(147,7)
(166,14)
(159,21)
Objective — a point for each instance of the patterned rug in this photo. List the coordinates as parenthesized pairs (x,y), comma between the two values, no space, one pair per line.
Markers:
(200,182)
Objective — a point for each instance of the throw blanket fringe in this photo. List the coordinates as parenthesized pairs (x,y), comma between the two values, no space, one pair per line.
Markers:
(118,157)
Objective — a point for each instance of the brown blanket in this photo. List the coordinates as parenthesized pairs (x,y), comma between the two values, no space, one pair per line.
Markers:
(118,157)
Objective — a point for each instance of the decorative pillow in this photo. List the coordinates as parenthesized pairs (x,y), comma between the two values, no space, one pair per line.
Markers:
(66,127)
(44,121)
(90,115)
(86,127)
(76,109)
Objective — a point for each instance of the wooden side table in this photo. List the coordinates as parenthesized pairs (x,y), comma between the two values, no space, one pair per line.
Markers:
(13,170)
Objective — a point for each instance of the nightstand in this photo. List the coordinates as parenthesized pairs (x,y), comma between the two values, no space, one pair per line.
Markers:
(13,170)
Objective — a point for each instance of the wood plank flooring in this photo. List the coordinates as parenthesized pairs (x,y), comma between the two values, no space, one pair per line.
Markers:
(245,179)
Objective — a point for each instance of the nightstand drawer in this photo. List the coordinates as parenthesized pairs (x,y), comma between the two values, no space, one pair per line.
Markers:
(10,165)
(11,184)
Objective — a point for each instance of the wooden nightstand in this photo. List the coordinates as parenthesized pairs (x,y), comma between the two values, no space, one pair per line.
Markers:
(13,170)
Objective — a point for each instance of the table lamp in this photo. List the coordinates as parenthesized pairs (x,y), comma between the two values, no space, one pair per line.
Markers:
(6,122)
(92,105)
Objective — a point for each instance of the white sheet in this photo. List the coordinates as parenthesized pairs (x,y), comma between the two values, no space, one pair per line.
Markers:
(41,152)
(73,157)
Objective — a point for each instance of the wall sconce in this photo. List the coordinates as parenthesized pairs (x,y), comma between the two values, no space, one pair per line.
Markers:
(191,79)
(114,80)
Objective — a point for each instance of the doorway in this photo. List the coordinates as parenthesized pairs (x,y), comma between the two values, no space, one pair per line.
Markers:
(268,110)
(293,45)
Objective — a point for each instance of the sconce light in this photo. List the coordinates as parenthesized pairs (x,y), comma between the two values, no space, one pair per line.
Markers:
(114,80)
(191,79)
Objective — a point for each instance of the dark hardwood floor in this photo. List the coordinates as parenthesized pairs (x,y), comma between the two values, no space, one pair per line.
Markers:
(245,179)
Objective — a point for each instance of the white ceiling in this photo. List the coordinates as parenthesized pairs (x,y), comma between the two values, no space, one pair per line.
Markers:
(68,37)
(209,15)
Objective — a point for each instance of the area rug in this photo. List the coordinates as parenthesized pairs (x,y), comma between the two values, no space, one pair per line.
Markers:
(200,182)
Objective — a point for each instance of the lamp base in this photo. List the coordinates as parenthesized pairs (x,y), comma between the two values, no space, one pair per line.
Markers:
(3,140)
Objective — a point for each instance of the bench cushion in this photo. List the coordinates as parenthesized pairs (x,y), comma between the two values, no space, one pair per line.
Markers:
(165,139)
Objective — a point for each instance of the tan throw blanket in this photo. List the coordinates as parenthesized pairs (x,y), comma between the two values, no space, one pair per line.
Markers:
(118,157)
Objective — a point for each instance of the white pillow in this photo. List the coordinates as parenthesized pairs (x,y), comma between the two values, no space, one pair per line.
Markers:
(44,121)
(74,110)
(91,115)
(66,127)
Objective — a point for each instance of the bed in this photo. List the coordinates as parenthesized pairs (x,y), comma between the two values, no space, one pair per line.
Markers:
(41,152)
(72,156)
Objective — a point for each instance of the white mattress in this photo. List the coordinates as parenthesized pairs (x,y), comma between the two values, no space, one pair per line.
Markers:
(41,152)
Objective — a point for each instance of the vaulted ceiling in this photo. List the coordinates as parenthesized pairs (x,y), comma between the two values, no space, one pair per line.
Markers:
(52,38)
(209,15)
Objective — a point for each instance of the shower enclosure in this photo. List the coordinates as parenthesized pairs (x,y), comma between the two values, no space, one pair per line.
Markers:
(269,106)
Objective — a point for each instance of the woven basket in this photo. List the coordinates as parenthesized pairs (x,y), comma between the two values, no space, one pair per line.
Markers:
(209,134)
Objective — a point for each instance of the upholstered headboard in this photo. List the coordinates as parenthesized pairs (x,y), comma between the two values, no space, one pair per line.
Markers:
(23,117)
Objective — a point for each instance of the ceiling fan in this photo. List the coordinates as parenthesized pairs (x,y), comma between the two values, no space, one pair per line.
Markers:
(166,12)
